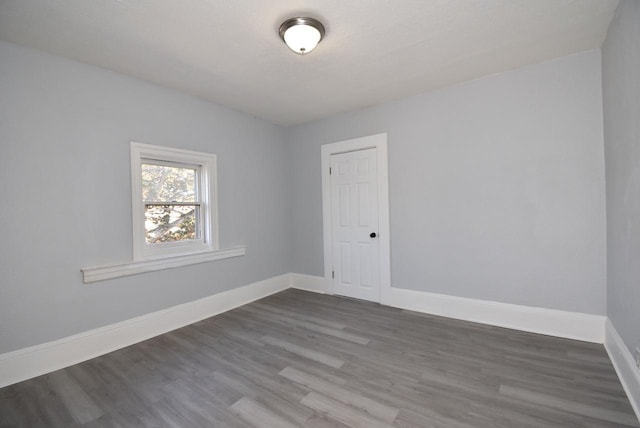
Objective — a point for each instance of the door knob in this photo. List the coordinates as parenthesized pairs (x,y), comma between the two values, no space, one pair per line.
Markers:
(373,235)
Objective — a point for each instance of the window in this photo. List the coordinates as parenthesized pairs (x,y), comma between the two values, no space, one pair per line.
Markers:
(174,201)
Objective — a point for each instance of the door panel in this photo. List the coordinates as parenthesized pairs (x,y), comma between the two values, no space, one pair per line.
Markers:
(354,216)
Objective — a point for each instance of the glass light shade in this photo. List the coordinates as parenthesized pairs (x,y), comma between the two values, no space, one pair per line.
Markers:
(302,38)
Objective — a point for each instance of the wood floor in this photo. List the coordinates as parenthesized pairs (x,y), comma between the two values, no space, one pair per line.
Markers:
(298,359)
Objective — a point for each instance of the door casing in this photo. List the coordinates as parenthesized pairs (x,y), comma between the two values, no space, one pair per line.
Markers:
(379,142)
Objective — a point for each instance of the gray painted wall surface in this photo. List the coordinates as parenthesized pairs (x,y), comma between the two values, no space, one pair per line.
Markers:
(497,191)
(621,94)
(496,186)
(65,130)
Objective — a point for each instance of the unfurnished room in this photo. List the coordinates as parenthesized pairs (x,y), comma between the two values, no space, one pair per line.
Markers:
(305,213)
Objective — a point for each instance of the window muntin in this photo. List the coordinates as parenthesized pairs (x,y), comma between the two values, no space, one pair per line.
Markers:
(174,209)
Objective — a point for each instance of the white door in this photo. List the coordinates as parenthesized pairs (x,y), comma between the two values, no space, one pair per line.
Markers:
(354,224)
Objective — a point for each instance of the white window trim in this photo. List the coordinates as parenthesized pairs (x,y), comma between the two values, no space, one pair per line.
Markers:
(209,202)
(206,253)
(132,268)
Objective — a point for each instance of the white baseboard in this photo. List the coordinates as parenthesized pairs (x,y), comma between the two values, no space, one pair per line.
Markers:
(36,360)
(315,284)
(624,364)
(552,322)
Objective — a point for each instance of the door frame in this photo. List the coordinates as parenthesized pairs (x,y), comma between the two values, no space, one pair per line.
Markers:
(378,142)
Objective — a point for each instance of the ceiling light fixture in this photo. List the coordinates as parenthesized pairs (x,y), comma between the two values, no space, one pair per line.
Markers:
(301,34)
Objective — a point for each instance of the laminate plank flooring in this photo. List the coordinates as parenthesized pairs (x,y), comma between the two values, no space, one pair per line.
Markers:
(298,359)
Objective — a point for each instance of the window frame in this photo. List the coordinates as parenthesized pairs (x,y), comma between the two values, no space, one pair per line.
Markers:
(206,189)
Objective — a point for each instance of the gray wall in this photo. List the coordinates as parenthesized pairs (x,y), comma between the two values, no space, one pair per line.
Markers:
(65,130)
(496,186)
(497,191)
(621,93)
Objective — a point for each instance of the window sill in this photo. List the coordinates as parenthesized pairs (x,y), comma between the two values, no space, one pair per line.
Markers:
(133,268)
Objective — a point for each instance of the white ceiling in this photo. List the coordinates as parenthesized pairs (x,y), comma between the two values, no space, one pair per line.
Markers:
(229,51)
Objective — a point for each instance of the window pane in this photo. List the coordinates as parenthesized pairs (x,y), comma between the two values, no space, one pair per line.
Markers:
(162,183)
(169,223)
